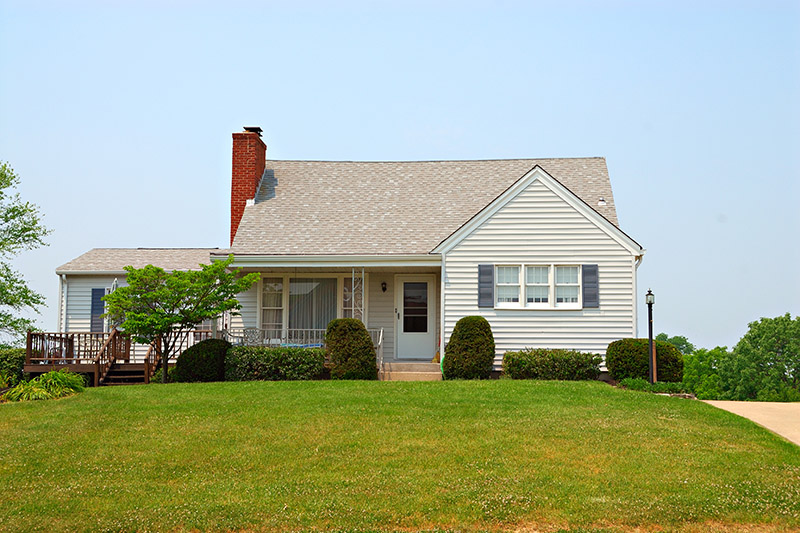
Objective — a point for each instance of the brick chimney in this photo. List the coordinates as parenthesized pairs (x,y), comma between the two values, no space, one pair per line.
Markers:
(249,160)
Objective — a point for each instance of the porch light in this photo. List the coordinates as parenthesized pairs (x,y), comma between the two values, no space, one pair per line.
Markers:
(383,286)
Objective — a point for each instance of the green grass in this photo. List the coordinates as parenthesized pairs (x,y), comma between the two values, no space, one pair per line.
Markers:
(381,455)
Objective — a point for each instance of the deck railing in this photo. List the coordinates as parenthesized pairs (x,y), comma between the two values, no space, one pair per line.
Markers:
(116,347)
(64,348)
(304,338)
(96,352)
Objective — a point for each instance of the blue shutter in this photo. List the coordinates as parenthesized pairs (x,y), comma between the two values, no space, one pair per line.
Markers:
(485,285)
(97,310)
(591,286)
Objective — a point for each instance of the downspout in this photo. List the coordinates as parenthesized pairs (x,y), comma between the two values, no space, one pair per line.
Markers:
(638,259)
(442,277)
(62,302)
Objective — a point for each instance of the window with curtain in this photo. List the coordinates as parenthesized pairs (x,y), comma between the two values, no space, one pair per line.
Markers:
(272,304)
(353,301)
(312,302)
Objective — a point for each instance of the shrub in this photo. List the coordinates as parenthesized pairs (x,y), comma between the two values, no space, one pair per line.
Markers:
(628,358)
(350,350)
(470,352)
(251,363)
(158,377)
(205,361)
(54,384)
(639,384)
(544,363)
(12,360)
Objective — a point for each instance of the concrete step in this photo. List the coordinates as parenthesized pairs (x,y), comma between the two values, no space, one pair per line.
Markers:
(412,376)
(411,367)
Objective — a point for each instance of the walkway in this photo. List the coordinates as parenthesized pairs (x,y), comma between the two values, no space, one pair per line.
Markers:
(782,418)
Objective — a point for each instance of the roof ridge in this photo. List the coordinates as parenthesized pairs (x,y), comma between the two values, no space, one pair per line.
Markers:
(437,160)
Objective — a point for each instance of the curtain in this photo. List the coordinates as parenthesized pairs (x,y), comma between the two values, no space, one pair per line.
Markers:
(312,302)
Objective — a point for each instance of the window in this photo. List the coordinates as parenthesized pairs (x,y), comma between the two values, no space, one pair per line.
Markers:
(352,301)
(312,302)
(567,286)
(507,285)
(272,304)
(309,302)
(537,284)
(546,286)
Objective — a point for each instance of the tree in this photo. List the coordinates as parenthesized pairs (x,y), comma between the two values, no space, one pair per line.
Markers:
(679,341)
(765,364)
(163,307)
(21,229)
(701,372)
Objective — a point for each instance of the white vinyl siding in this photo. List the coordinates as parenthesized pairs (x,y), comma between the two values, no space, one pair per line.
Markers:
(539,228)
(79,299)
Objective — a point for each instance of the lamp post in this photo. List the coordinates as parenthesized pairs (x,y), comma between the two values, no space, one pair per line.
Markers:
(650,299)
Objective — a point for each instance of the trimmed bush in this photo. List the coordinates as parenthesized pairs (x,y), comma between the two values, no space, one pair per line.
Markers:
(253,363)
(628,358)
(470,352)
(203,362)
(545,363)
(12,360)
(158,377)
(350,350)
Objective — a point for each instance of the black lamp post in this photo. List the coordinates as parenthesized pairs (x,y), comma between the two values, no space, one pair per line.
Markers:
(650,298)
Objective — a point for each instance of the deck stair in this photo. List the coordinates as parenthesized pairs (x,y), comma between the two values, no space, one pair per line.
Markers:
(125,374)
(412,372)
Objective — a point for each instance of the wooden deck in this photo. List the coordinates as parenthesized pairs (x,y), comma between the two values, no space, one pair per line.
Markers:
(108,357)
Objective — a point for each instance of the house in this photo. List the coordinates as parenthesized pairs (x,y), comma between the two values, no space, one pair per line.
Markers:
(533,245)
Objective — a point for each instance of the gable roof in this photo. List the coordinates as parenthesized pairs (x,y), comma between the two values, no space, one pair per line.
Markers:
(113,260)
(391,208)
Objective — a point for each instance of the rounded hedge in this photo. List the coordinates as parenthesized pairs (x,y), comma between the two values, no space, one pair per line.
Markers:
(350,350)
(205,361)
(249,363)
(470,352)
(628,358)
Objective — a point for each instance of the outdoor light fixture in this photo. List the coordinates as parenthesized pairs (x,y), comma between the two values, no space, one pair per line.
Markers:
(383,286)
(650,299)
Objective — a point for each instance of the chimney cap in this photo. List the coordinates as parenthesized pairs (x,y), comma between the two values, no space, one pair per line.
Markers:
(253,129)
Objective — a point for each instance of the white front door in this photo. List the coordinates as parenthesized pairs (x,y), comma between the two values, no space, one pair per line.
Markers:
(415,312)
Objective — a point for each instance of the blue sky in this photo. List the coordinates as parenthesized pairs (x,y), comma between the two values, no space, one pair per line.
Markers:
(118,118)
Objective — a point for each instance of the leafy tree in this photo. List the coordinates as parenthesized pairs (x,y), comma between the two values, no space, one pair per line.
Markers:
(765,364)
(21,229)
(701,372)
(165,306)
(679,341)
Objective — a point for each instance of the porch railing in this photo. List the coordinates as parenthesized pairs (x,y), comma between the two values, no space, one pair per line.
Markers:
(116,347)
(304,338)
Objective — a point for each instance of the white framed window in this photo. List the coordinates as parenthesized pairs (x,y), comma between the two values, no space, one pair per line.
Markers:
(567,285)
(537,286)
(272,303)
(507,286)
(309,301)
(545,286)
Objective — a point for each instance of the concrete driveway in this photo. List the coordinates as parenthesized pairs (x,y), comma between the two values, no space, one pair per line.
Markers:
(781,418)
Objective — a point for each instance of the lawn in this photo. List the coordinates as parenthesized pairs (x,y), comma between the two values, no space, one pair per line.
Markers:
(389,456)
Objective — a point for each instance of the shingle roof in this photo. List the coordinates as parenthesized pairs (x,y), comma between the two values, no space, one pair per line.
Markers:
(377,208)
(113,260)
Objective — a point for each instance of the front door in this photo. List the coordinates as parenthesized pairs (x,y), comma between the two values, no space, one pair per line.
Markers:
(415,313)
